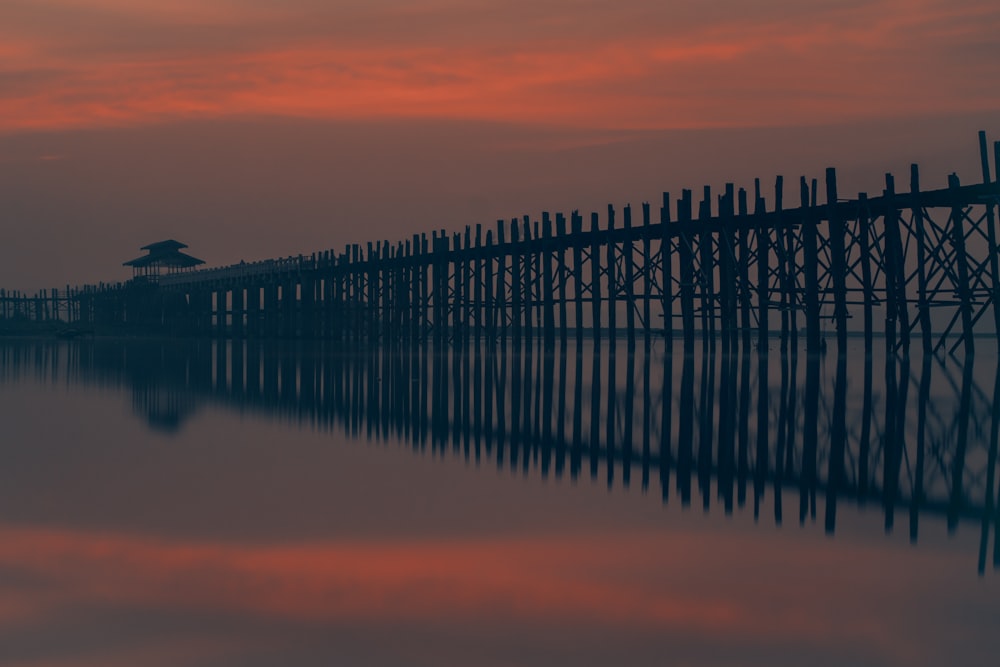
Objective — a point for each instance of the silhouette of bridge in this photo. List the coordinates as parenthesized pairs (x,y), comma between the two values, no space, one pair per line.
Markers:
(730,265)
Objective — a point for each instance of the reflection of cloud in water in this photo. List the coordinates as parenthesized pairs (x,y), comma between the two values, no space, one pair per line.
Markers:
(655,587)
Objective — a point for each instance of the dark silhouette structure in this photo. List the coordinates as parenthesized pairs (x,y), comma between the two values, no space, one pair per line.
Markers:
(731,266)
(163,257)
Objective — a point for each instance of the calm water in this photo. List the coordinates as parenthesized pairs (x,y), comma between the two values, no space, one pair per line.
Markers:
(206,503)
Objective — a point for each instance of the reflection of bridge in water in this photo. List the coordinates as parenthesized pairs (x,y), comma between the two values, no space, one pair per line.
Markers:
(742,428)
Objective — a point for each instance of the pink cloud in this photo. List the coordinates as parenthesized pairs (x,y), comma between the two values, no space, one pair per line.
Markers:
(152,62)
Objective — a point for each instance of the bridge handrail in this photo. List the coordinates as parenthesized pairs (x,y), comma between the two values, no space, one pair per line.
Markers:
(241,270)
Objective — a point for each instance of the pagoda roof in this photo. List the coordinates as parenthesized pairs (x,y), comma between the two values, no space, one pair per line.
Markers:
(164,253)
(169,244)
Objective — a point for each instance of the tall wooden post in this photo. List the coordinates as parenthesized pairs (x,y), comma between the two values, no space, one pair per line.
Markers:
(962,265)
(611,270)
(838,259)
(548,296)
(991,235)
(686,256)
(666,271)
(560,243)
(576,231)
(595,276)
(628,259)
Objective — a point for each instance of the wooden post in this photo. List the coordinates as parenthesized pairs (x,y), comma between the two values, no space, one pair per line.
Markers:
(595,277)
(727,270)
(666,271)
(763,270)
(743,263)
(516,283)
(864,232)
(548,296)
(810,271)
(894,271)
(561,241)
(962,265)
(489,303)
(991,234)
(628,252)
(501,292)
(477,285)
(529,263)
(706,248)
(647,282)
(612,273)
(923,306)
(838,259)
(686,254)
(576,231)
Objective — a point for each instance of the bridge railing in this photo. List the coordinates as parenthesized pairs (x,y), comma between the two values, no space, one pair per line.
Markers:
(241,270)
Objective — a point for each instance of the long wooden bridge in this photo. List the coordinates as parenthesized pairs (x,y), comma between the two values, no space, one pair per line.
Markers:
(731,265)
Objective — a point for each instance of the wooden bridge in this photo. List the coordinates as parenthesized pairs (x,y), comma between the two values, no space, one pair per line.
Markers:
(733,265)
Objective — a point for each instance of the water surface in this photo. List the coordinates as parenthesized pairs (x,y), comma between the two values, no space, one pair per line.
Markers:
(216,503)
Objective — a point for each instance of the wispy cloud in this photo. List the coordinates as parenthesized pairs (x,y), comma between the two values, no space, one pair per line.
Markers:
(633,64)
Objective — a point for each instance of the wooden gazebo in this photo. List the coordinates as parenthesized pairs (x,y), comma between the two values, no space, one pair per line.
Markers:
(162,257)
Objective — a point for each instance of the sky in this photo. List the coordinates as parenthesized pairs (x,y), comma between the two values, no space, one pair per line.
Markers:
(257,128)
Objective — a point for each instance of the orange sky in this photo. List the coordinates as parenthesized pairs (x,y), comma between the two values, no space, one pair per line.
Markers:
(622,64)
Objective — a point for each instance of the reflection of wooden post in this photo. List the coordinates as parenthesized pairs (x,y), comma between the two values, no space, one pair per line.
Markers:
(560,434)
(923,397)
(611,401)
(576,452)
(706,426)
(685,435)
(838,441)
(666,419)
(595,408)
(627,417)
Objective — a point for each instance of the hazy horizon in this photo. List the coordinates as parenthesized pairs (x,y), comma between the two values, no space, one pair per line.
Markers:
(83,201)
